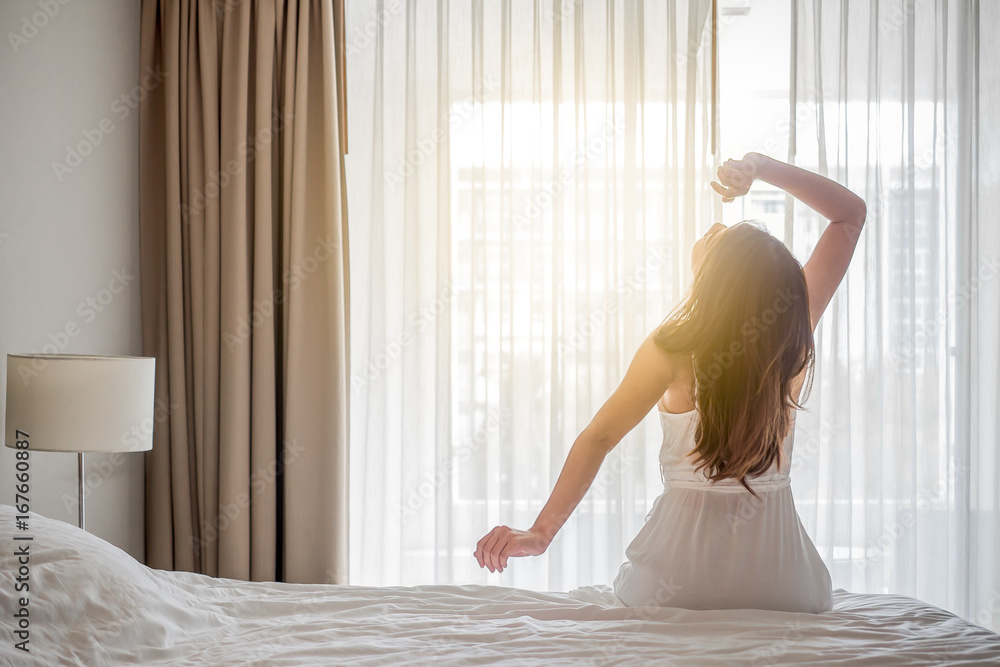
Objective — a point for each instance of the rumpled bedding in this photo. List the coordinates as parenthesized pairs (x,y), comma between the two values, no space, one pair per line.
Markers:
(91,603)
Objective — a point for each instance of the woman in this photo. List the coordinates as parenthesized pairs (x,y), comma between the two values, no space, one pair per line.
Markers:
(725,370)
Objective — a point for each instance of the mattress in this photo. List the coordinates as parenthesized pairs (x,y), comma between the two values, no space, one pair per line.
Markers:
(90,603)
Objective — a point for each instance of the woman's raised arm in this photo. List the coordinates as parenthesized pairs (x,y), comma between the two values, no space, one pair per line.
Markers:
(845,210)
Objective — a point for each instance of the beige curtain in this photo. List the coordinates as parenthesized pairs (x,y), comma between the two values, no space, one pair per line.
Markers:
(244,287)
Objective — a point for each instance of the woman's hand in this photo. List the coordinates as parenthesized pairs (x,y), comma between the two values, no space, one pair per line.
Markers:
(502,542)
(736,176)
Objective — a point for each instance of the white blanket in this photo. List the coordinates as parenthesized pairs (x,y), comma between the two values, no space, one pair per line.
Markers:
(92,604)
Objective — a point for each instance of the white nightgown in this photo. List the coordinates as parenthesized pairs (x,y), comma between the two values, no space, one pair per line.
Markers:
(708,545)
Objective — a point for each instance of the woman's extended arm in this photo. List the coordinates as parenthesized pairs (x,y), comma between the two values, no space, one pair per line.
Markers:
(582,464)
(648,376)
(845,210)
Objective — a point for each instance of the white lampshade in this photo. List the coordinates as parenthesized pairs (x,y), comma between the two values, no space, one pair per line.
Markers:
(80,403)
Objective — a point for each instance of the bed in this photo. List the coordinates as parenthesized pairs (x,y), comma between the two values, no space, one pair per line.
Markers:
(90,603)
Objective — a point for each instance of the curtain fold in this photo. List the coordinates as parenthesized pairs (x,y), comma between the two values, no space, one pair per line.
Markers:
(531,175)
(243,246)
(897,101)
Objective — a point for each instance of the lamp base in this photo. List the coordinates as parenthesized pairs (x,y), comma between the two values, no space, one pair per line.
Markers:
(79,479)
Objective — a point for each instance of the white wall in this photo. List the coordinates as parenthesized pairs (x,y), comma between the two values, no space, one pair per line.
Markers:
(64,234)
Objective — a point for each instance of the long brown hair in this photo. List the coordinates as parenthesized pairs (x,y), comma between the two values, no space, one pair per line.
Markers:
(745,325)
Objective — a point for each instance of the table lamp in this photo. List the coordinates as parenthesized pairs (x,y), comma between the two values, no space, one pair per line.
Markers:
(79,403)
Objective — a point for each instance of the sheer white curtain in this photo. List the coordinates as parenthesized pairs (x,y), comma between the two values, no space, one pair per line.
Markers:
(526,180)
(898,100)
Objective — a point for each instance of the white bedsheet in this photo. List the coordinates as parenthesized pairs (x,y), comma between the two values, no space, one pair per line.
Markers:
(92,604)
